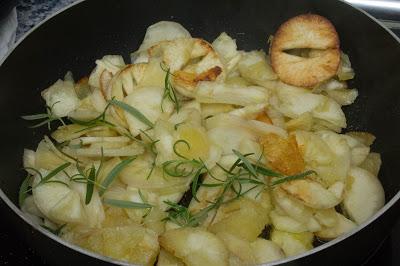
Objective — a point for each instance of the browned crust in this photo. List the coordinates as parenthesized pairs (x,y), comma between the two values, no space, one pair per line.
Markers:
(306,31)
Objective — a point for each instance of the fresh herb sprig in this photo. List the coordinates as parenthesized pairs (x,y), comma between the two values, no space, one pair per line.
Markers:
(46,118)
(100,120)
(127,204)
(26,186)
(169,90)
(132,111)
(241,173)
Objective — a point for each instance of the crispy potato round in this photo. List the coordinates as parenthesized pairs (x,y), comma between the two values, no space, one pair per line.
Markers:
(306,31)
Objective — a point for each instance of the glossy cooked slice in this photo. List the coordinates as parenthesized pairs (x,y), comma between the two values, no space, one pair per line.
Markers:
(195,246)
(307,31)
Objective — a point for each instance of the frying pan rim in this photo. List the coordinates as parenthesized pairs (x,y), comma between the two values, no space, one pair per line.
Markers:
(77,248)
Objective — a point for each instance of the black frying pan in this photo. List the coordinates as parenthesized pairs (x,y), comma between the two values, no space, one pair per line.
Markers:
(74,38)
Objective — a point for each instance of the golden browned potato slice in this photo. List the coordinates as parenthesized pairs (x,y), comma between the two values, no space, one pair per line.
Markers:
(195,246)
(283,154)
(306,31)
(132,243)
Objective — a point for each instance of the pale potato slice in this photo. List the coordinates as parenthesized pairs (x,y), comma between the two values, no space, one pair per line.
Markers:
(195,246)
(167,259)
(327,217)
(29,160)
(364,195)
(372,163)
(303,122)
(291,243)
(210,109)
(342,226)
(160,31)
(108,65)
(94,210)
(238,247)
(148,100)
(311,193)
(266,251)
(291,206)
(250,111)
(243,218)
(226,48)
(286,223)
(213,92)
(61,98)
(287,98)
(255,68)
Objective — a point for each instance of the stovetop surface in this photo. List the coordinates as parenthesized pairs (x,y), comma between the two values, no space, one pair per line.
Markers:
(15,252)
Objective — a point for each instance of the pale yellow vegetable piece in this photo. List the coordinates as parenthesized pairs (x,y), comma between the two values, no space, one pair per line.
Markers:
(364,195)
(311,193)
(132,243)
(327,217)
(167,259)
(291,243)
(61,98)
(372,163)
(243,218)
(195,246)
(45,158)
(255,68)
(342,226)
(160,31)
(110,64)
(226,48)
(214,92)
(238,247)
(266,251)
(148,101)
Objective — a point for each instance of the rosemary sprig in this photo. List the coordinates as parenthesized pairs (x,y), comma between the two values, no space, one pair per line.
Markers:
(95,122)
(132,111)
(114,173)
(46,118)
(242,172)
(23,190)
(127,204)
(169,90)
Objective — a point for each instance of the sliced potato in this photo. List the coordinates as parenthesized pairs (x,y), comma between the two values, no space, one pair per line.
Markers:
(342,226)
(132,243)
(167,259)
(291,243)
(255,68)
(238,247)
(195,246)
(364,195)
(311,193)
(266,251)
(372,163)
(243,218)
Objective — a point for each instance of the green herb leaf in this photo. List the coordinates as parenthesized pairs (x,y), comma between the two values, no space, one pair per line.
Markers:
(184,142)
(113,174)
(54,172)
(266,172)
(132,111)
(23,190)
(90,185)
(291,178)
(246,162)
(127,204)
(169,90)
